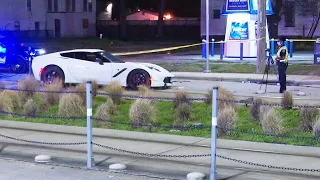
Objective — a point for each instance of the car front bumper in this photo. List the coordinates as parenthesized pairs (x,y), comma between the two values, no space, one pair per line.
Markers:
(162,82)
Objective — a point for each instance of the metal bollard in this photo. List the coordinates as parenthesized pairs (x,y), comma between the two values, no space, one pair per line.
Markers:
(204,48)
(89,125)
(291,48)
(221,50)
(212,48)
(286,43)
(272,47)
(241,51)
(213,170)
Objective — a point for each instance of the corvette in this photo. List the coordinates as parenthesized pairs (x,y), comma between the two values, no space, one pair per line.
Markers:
(76,66)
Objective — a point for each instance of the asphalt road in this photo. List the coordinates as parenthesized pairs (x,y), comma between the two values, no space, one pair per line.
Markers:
(17,170)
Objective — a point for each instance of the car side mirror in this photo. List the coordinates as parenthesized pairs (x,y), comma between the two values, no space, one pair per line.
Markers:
(99,61)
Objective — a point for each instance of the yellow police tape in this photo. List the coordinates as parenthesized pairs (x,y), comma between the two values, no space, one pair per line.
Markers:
(197,44)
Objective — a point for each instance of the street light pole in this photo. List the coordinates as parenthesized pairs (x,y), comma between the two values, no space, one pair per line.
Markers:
(207,37)
(261,45)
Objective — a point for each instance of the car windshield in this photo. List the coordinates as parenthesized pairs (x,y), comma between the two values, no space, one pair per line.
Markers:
(108,57)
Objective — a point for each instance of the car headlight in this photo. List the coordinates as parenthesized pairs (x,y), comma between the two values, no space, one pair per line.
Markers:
(41,51)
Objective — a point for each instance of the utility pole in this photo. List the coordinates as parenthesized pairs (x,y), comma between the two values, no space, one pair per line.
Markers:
(261,45)
(207,38)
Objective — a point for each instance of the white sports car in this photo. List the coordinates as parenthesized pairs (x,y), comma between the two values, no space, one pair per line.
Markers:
(76,66)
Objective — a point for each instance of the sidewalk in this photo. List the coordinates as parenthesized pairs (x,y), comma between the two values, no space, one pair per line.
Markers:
(161,144)
(240,77)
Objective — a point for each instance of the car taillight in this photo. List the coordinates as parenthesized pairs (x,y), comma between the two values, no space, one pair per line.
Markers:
(41,70)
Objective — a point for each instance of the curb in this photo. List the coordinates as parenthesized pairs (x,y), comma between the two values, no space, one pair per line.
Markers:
(168,139)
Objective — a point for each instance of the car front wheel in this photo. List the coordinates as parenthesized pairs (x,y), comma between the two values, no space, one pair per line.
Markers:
(138,78)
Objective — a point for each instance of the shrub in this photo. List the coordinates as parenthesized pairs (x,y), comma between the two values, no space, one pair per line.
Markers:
(107,109)
(316,128)
(115,90)
(227,117)
(222,94)
(30,108)
(181,97)
(254,109)
(43,104)
(308,117)
(82,87)
(52,98)
(143,91)
(71,105)
(183,114)
(271,121)
(10,101)
(287,100)
(29,84)
(142,112)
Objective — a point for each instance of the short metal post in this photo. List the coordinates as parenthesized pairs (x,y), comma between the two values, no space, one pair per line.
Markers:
(29,60)
(213,171)
(212,48)
(89,124)
(203,48)
(221,50)
(291,48)
(241,51)
(272,47)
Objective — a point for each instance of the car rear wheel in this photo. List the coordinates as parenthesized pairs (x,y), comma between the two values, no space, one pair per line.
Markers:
(138,78)
(53,74)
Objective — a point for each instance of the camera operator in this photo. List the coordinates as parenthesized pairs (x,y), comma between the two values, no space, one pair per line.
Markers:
(282,62)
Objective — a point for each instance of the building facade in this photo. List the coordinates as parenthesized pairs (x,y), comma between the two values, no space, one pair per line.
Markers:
(63,18)
(292,24)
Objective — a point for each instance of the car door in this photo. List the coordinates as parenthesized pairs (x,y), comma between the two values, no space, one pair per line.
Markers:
(80,68)
(102,68)
(86,68)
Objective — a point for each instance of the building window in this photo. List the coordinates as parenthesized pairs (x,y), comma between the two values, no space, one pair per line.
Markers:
(85,23)
(37,26)
(55,5)
(49,5)
(90,5)
(289,15)
(67,5)
(29,5)
(73,5)
(216,14)
(85,5)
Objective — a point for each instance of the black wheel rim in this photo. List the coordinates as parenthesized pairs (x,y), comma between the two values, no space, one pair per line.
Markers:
(17,67)
(139,79)
(52,76)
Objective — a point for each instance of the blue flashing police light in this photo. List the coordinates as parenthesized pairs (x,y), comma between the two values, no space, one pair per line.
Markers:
(3,49)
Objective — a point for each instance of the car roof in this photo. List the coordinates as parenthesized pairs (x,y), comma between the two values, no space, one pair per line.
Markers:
(81,50)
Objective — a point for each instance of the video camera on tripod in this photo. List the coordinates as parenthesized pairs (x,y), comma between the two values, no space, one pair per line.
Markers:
(267,68)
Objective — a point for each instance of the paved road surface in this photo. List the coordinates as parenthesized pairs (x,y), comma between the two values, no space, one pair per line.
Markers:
(17,170)
(75,155)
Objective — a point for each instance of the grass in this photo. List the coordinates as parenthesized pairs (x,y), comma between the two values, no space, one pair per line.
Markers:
(201,113)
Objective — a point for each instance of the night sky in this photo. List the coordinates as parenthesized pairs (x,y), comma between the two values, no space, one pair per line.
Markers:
(180,8)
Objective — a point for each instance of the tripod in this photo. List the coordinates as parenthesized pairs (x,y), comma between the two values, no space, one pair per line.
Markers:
(266,70)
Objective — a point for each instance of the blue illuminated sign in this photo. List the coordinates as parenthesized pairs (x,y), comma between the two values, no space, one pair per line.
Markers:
(237,5)
(239,31)
(245,6)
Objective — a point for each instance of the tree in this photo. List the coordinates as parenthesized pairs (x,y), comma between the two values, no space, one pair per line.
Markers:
(309,9)
(123,22)
(160,19)
(273,20)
